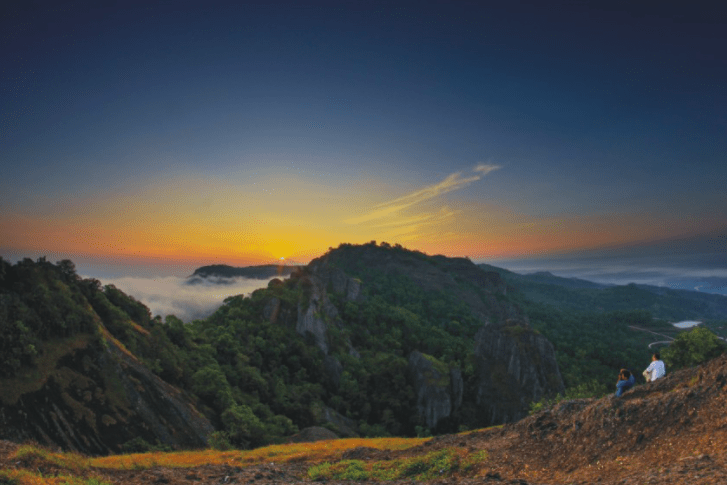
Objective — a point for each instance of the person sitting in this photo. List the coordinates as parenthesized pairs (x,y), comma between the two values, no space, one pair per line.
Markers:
(625,382)
(656,369)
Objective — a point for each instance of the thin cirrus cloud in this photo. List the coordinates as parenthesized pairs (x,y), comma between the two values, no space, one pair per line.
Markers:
(395,216)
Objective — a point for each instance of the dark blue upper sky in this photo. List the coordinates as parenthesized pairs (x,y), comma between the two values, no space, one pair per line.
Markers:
(605,118)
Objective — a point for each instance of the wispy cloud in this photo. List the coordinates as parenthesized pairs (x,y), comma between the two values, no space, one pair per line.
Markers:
(395,215)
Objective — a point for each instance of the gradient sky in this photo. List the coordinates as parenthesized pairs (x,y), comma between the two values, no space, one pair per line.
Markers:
(167,135)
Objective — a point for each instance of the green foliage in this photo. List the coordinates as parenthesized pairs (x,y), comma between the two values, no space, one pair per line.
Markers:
(693,348)
(219,440)
(259,382)
(437,464)
(579,296)
(595,346)
(39,301)
(7,479)
(242,425)
(140,445)
(586,390)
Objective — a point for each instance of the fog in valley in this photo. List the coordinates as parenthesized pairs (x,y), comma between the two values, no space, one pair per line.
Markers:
(173,295)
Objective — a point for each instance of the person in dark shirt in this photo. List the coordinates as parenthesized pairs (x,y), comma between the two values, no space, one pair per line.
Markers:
(625,382)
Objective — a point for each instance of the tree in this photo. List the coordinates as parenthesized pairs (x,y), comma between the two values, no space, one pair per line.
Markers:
(693,348)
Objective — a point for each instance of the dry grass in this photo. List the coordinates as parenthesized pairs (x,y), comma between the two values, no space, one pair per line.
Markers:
(315,452)
(24,477)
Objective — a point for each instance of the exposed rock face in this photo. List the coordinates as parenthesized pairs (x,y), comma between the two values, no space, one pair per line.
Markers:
(342,426)
(514,367)
(96,399)
(438,389)
(336,280)
(312,314)
(315,310)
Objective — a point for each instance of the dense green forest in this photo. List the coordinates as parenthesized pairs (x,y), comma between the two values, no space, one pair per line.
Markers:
(259,382)
(592,325)
(572,294)
(256,381)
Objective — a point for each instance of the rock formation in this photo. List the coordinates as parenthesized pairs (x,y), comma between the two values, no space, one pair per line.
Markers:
(438,388)
(515,366)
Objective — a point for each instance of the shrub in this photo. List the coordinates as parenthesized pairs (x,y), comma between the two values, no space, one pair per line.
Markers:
(693,348)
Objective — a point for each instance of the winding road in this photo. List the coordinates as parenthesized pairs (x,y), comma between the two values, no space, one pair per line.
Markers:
(654,333)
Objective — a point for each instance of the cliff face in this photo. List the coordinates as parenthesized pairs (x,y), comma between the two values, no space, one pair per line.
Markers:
(314,311)
(438,388)
(95,398)
(514,366)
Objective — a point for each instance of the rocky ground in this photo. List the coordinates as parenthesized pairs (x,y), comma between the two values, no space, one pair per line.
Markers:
(672,431)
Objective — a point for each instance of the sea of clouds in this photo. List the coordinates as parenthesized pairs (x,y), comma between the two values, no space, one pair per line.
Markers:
(173,295)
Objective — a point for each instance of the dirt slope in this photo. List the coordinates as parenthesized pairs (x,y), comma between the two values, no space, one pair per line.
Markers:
(673,431)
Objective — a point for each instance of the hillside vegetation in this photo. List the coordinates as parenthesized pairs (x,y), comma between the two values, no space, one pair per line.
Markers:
(597,329)
(399,357)
(672,431)
(370,340)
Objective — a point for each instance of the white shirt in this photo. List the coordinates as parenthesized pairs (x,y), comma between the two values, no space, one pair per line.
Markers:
(657,369)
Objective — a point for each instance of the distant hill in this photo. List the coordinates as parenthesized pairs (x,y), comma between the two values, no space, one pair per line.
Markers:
(544,277)
(261,272)
(585,296)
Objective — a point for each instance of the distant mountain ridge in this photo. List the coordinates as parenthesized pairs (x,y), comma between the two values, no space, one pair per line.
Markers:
(586,296)
(261,272)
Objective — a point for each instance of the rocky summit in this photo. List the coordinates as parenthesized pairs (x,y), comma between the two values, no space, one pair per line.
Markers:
(512,364)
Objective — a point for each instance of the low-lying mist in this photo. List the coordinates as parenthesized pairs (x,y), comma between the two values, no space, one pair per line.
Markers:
(173,295)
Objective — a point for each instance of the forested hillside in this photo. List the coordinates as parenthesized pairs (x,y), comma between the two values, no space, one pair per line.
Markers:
(72,370)
(572,294)
(597,329)
(367,340)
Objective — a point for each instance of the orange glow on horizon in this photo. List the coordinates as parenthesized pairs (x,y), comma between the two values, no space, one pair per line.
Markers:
(201,222)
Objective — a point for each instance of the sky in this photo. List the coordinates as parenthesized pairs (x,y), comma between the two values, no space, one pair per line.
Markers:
(150,138)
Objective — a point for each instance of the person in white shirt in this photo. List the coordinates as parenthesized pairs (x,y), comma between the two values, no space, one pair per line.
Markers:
(656,369)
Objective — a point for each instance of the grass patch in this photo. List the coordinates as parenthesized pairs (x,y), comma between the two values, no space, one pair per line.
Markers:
(442,463)
(74,469)
(35,456)
(318,451)
(25,477)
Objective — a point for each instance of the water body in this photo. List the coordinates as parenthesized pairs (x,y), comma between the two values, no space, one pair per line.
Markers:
(686,324)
